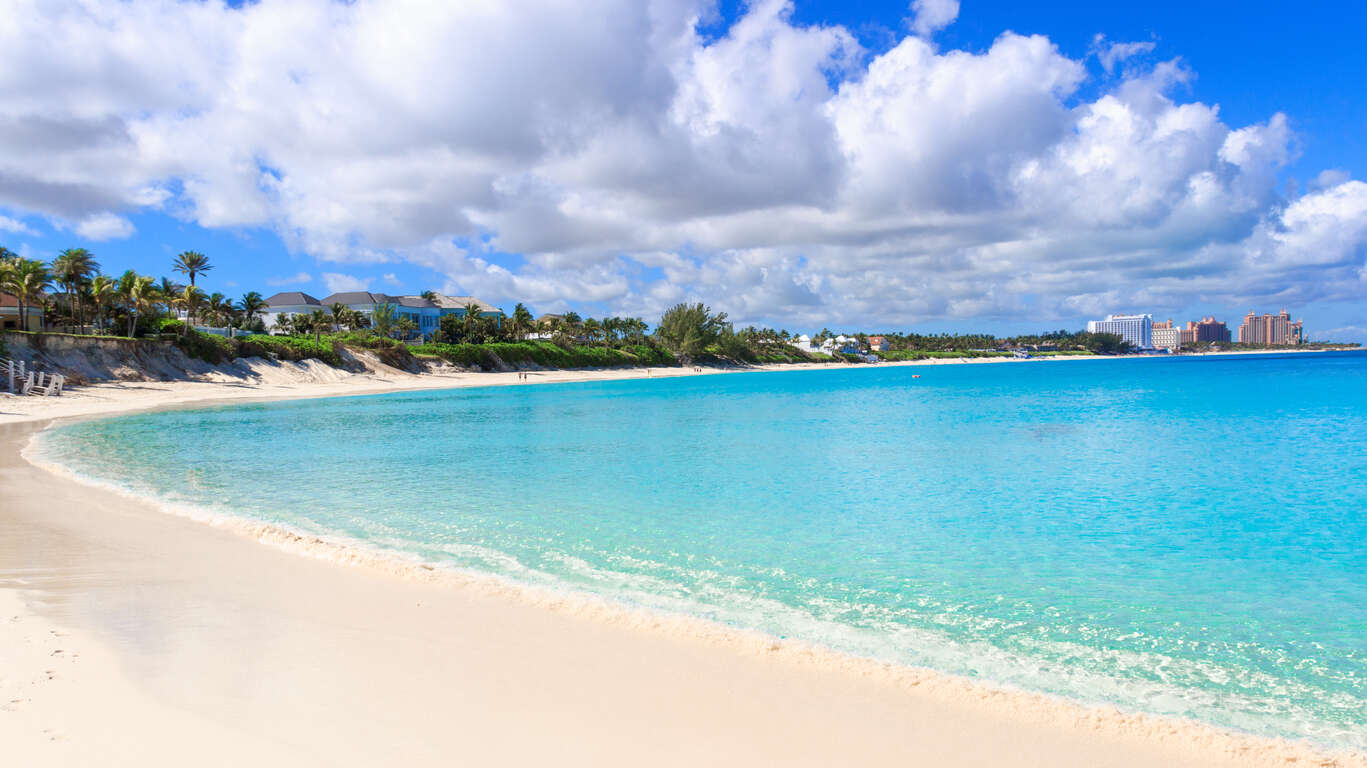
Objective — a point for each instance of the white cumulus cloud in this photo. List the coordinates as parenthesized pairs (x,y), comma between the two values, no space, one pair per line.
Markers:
(15,226)
(105,226)
(609,152)
(337,282)
(931,16)
(1110,54)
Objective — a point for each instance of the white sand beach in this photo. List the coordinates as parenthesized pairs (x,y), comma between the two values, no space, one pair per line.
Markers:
(129,636)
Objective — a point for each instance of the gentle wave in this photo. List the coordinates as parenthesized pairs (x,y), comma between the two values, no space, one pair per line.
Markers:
(644,604)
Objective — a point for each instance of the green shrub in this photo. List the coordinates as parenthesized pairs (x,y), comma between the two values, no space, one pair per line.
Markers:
(206,346)
(928,354)
(289,348)
(544,354)
(778,355)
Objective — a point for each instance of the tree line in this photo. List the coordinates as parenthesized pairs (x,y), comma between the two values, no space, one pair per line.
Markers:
(73,294)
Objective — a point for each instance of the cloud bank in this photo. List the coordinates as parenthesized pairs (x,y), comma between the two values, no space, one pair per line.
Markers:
(606,151)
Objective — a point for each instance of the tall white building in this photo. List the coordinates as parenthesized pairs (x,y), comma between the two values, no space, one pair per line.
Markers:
(1136,329)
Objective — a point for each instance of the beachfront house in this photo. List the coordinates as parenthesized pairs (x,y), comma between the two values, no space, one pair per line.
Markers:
(455,305)
(10,320)
(804,343)
(288,303)
(843,344)
(425,313)
(543,327)
(878,343)
(422,313)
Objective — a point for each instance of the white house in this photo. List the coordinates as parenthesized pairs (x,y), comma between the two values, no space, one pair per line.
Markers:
(288,303)
(841,343)
(804,343)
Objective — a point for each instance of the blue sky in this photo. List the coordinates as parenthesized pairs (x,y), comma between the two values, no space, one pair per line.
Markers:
(624,160)
(1252,57)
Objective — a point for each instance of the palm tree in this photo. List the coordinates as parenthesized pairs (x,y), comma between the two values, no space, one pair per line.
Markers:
(251,306)
(102,289)
(191,263)
(217,304)
(189,300)
(384,317)
(27,280)
(592,330)
(167,290)
(140,294)
(9,264)
(317,321)
(71,269)
(429,295)
(339,314)
(520,324)
(474,323)
(8,260)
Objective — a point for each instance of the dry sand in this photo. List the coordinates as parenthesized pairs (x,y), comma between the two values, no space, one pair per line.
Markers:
(133,637)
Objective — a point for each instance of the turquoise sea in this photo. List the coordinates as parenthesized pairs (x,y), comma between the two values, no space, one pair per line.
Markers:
(1182,536)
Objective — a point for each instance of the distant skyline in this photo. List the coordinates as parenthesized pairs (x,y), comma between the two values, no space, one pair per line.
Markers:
(974,166)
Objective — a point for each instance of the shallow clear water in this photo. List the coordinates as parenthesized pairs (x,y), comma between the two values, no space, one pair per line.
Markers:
(1177,536)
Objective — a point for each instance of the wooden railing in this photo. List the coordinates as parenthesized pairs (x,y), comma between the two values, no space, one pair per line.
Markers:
(22,380)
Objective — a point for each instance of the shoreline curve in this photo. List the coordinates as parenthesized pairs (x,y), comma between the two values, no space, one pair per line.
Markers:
(1020,704)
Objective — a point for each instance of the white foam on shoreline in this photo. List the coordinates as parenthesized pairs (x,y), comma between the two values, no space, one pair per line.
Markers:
(1019,704)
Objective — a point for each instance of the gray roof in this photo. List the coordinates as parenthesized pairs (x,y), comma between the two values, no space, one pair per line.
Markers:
(417,302)
(356,297)
(460,302)
(291,299)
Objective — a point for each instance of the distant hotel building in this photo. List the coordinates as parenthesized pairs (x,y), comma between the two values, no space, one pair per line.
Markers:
(1136,329)
(1209,329)
(1271,330)
(1168,336)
